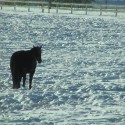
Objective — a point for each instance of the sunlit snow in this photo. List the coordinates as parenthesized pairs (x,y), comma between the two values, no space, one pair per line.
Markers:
(81,80)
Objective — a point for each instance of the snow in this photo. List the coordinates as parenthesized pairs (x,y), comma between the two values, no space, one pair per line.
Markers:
(81,80)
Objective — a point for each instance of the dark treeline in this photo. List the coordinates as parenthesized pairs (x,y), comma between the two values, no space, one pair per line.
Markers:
(63,1)
(20,2)
(71,1)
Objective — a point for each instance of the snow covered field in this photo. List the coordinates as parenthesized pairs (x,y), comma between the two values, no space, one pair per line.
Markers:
(81,80)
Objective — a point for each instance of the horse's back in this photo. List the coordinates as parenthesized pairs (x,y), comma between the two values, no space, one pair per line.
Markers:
(22,60)
(17,57)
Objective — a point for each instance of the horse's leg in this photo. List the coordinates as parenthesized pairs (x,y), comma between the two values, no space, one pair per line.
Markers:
(19,80)
(24,80)
(15,83)
(15,80)
(30,80)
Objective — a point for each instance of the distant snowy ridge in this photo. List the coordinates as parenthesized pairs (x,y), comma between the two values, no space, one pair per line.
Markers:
(115,2)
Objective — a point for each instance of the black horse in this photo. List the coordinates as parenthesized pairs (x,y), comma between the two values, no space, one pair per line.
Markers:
(23,62)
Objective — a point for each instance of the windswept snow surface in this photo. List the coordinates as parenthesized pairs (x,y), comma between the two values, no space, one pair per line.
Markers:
(81,80)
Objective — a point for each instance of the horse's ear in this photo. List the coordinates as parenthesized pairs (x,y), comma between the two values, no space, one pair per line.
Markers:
(33,46)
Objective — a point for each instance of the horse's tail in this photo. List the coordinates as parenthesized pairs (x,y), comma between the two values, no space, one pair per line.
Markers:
(12,64)
(14,72)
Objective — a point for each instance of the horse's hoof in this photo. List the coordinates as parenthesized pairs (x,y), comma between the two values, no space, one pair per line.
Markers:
(23,86)
(30,87)
(14,87)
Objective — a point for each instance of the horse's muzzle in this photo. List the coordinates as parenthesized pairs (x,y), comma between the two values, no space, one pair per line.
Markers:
(39,61)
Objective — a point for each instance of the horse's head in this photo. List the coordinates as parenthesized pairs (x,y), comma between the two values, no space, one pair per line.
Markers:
(37,53)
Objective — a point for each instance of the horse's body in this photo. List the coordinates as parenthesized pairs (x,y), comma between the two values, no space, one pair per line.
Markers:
(23,62)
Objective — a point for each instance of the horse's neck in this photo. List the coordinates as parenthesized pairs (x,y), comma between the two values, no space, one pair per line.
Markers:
(32,53)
